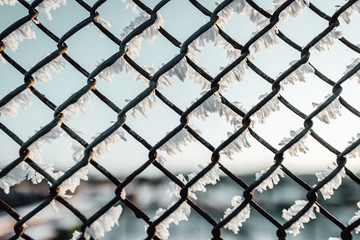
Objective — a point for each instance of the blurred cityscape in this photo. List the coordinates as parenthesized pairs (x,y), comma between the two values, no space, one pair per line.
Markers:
(152,194)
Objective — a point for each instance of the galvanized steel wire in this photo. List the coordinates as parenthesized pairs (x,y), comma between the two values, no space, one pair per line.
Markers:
(344,229)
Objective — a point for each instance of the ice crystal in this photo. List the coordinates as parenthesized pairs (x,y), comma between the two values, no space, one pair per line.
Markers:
(47,5)
(72,110)
(240,6)
(71,183)
(8,2)
(103,147)
(103,23)
(22,100)
(179,70)
(236,74)
(236,222)
(211,177)
(211,35)
(295,209)
(268,39)
(14,177)
(355,218)
(119,66)
(270,181)
(150,33)
(299,74)
(104,223)
(346,15)
(214,105)
(198,78)
(2,59)
(330,112)
(130,4)
(355,61)
(293,10)
(237,144)
(176,142)
(143,106)
(326,42)
(25,31)
(267,109)
(299,146)
(237,6)
(180,214)
(44,73)
(355,152)
(76,235)
(328,189)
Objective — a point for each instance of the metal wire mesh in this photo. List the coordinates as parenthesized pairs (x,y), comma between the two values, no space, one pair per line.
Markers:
(345,230)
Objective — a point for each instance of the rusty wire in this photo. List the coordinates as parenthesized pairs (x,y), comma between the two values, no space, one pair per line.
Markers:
(248,193)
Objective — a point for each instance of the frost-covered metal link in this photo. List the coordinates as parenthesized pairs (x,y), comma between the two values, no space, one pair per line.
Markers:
(61,183)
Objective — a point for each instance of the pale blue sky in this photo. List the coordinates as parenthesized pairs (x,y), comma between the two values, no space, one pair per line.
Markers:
(87,48)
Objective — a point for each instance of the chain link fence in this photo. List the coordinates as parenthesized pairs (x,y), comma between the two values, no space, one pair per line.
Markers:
(147,25)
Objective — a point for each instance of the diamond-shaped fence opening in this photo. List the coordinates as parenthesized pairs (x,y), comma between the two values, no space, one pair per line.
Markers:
(273,86)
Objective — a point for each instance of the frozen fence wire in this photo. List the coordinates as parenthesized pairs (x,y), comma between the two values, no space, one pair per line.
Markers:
(149,25)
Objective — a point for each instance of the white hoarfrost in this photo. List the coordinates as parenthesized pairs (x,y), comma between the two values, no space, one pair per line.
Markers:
(330,112)
(240,6)
(47,6)
(23,171)
(328,189)
(299,75)
(266,40)
(176,142)
(130,4)
(104,23)
(150,33)
(14,177)
(143,106)
(213,105)
(72,110)
(8,2)
(326,42)
(236,222)
(293,10)
(25,31)
(270,181)
(198,78)
(104,146)
(2,59)
(355,61)
(355,152)
(44,74)
(119,66)
(179,70)
(71,183)
(299,146)
(236,74)
(268,108)
(346,15)
(184,210)
(180,214)
(104,223)
(22,100)
(211,35)
(295,209)
(133,46)
(76,235)
(237,145)
(355,218)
